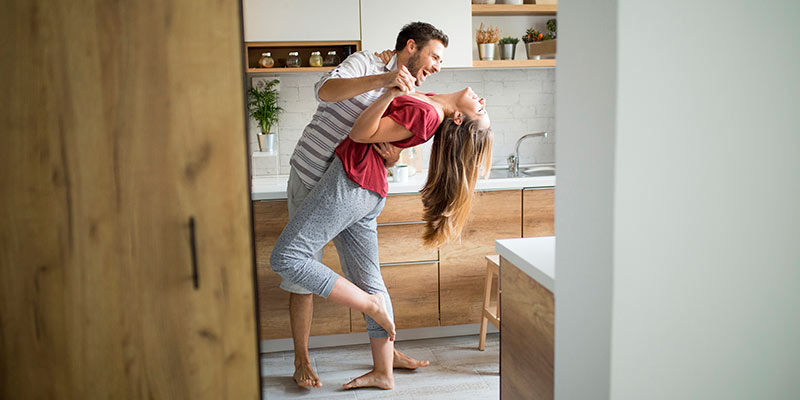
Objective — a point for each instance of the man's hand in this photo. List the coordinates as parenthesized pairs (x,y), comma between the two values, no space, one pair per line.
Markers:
(389,152)
(401,79)
(385,55)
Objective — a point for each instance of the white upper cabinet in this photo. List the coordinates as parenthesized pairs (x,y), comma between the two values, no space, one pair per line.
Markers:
(301,20)
(381,20)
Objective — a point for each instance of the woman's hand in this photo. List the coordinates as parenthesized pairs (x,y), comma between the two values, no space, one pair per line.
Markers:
(400,79)
(385,55)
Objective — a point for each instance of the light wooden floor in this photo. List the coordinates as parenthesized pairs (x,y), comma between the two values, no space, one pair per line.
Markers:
(458,371)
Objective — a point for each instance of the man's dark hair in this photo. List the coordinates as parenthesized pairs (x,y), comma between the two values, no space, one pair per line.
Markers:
(422,33)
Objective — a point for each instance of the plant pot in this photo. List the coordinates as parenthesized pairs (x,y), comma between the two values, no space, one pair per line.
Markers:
(482,1)
(266,142)
(512,2)
(535,50)
(486,50)
(508,51)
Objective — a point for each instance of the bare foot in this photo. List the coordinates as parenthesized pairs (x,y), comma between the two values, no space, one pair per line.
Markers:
(304,375)
(381,315)
(372,379)
(403,361)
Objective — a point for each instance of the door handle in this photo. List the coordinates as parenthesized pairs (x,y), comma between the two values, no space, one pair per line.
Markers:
(193,244)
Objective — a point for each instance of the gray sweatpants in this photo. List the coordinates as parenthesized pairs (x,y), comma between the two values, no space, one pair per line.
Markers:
(337,208)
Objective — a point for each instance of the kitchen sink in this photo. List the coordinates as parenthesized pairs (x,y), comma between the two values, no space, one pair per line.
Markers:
(534,170)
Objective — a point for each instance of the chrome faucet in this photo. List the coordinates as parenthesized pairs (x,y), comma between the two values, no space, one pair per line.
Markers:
(513,160)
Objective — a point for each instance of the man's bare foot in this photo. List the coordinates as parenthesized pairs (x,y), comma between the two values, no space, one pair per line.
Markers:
(381,315)
(403,361)
(304,375)
(372,379)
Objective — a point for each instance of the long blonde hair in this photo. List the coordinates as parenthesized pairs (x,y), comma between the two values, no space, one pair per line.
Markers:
(459,154)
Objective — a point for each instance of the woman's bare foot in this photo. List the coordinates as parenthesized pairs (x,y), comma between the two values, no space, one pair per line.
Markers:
(372,378)
(403,361)
(304,375)
(381,315)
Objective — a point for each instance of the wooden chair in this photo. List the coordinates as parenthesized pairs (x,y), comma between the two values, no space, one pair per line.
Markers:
(488,313)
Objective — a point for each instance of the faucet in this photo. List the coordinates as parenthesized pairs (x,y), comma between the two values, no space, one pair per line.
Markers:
(513,160)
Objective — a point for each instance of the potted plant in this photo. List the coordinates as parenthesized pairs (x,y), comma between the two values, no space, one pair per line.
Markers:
(538,43)
(508,47)
(263,107)
(487,41)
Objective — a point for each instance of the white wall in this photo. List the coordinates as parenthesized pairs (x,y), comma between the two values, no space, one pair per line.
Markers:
(585,116)
(519,101)
(705,219)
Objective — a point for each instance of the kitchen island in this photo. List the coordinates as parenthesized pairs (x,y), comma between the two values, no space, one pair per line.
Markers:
(527,282)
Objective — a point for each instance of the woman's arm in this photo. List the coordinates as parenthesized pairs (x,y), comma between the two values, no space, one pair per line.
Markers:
(372,127)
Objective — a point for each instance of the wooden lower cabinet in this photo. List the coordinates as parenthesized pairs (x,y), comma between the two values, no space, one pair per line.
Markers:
(414,289)
(527,341)
(538,212)
(270,217)
(445,289)
(495,215)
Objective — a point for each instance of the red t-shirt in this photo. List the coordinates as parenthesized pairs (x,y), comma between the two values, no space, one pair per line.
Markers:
(364,166)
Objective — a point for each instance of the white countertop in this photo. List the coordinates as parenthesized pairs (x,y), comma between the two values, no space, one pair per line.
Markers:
(534,256)
(274,187)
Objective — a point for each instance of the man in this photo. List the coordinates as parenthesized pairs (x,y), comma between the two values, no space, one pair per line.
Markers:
(344,93)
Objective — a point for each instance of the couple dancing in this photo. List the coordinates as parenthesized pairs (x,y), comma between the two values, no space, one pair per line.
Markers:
(369,110)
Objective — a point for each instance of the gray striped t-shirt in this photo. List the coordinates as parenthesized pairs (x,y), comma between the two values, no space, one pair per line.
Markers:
(332,122)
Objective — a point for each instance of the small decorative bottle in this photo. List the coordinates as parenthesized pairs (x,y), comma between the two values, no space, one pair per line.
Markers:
(331,59)
(266,60)
(294,60)
(315,60)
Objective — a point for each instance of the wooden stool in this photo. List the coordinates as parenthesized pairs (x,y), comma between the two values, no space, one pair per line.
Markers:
(487,314)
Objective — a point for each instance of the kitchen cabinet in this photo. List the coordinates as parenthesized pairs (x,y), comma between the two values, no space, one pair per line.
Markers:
(127,267)
(292,21)
(379,28)
(494,215)
(429,287)
(538,212)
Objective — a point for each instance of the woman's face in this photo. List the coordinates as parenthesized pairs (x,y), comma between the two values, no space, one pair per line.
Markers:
(473,106)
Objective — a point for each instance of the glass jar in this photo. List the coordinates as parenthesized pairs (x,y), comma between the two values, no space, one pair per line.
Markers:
(266,60)
(294,60)
(331,59)
(315,60)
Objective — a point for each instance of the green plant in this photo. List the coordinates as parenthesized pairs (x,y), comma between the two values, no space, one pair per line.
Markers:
(532,35)
(263,104)
(509,40)
(488,35)
(551,27)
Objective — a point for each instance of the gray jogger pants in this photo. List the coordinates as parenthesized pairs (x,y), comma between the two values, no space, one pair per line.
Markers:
(337,208)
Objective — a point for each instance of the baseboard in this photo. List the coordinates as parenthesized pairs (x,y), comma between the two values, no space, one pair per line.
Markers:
(315,342)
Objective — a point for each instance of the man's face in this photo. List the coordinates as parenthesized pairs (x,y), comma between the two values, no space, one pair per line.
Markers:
(426,60)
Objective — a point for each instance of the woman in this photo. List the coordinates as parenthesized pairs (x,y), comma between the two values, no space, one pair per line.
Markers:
(345,203)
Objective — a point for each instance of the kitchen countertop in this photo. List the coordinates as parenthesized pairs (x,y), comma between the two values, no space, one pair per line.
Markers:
(535,256)
(274,187)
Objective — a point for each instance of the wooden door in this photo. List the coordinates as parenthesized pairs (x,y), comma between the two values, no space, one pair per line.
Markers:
(495,215)
(122,122)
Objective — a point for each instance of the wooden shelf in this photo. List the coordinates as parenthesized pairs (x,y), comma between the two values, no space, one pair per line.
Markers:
(280,50)
(510,9)
(550,62)
(284,70)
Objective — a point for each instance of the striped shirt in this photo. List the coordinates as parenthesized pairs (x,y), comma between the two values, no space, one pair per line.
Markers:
(332,122)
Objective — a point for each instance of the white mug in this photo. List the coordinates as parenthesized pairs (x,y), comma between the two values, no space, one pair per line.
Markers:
(400,173)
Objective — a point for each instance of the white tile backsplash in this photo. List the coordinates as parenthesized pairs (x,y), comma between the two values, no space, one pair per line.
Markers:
(519,101)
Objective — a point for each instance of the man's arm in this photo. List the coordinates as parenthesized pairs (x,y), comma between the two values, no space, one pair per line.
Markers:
(338,89)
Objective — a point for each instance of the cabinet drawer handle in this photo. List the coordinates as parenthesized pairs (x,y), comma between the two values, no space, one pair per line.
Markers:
(193,244)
